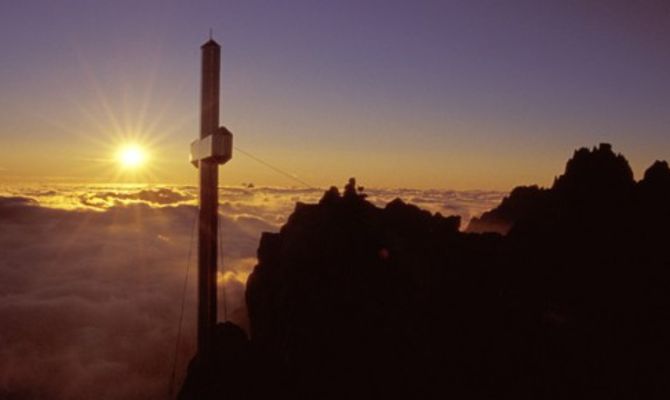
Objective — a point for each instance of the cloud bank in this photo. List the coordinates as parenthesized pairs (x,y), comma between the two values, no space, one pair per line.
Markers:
(91,279)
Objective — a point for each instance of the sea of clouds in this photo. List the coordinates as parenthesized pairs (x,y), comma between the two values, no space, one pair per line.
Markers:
(92,279)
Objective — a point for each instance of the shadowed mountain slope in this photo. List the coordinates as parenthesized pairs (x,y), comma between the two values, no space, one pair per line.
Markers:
(353,301)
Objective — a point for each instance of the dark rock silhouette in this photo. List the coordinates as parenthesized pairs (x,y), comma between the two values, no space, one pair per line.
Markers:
(334,299)
(226,373)
(654,190)
(596,189)
(353,301)
(522,202)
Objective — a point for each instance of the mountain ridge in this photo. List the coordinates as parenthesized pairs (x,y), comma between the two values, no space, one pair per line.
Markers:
(349,300)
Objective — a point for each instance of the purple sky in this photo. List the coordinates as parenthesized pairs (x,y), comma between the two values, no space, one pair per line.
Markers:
(455,94)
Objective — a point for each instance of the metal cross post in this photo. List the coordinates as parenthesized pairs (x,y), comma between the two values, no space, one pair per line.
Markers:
(212,149)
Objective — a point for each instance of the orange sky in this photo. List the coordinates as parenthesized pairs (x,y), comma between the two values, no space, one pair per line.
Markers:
(451,96)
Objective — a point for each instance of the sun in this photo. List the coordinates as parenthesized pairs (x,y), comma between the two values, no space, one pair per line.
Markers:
(131,156)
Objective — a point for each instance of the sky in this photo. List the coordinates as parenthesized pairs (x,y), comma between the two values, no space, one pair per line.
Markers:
(469,94)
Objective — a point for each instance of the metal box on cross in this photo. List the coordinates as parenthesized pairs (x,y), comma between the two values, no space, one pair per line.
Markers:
(217,147)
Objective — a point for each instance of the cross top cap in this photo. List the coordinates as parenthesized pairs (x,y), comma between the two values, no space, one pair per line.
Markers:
(211,43)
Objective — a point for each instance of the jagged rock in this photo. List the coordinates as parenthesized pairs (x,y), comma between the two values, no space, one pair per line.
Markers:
(596,190)
(353,301)
(332,292)
(655,187)
(598,172)
(522,202)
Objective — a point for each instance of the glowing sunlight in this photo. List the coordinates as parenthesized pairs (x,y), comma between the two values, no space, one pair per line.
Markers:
(131,156)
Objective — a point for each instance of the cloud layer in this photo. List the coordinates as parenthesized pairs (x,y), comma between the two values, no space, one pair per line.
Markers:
(91,279)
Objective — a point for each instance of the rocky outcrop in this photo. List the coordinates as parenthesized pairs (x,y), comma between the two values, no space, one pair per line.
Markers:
(522,202)
(596,192)
(352,297)
(351,301)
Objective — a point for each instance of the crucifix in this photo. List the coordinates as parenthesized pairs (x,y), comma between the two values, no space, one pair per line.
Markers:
(212,149)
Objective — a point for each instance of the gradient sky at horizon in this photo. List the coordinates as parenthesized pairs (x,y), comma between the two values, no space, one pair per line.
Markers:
(428,94)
